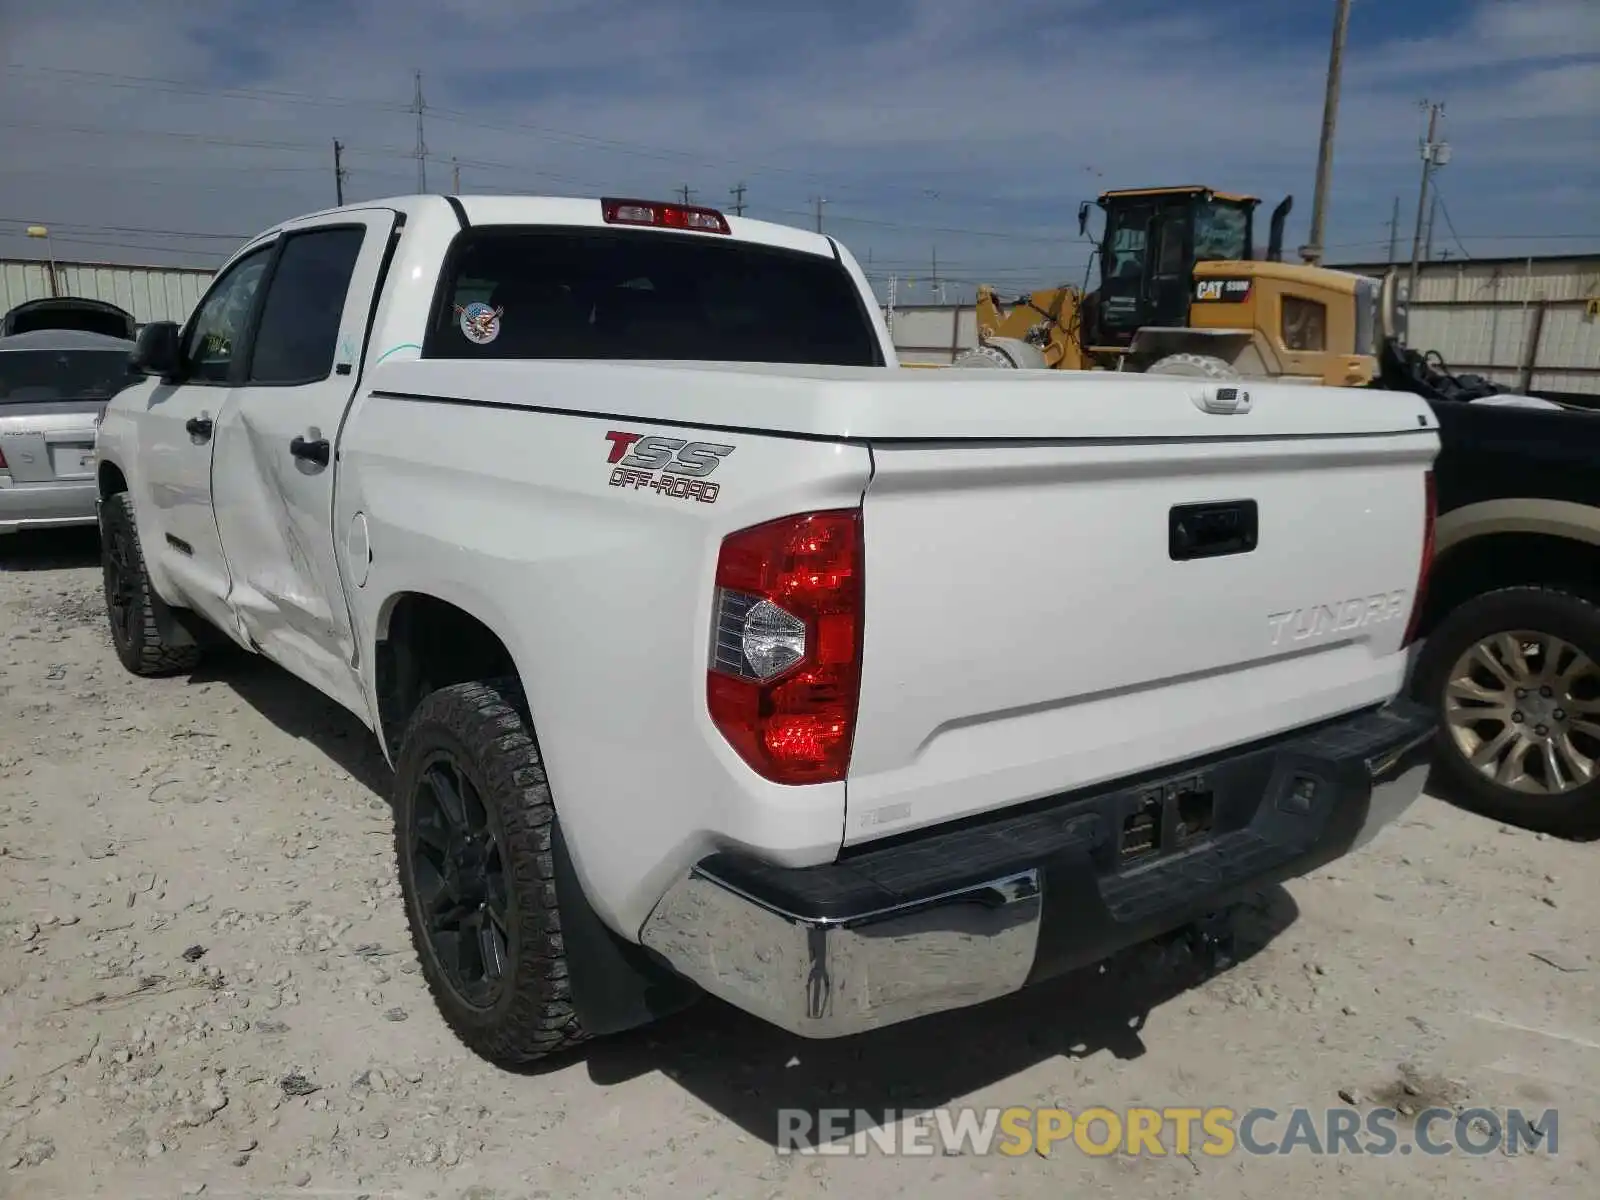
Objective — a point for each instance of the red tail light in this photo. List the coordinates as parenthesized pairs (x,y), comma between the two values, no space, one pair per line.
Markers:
(785,669)
(3,466)
(1431,507)
(665,216)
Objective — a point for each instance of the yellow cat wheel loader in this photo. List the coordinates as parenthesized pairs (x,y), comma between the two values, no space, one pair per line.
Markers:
(1181,292)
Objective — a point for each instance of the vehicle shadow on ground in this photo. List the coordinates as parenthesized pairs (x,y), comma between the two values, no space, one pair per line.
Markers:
(50,549)
(300,711)
(747,1070)
(1440,789)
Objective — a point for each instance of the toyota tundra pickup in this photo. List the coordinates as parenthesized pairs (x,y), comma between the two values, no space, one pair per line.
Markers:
(714,654)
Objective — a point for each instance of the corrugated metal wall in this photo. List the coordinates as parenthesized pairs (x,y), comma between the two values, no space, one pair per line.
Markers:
(1525,323)
(149,293)
(933,333)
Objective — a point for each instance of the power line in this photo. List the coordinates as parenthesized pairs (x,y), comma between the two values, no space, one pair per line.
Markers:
(144,249)
(189,87)
(461,117)
(203,139)
(183,233)
(164,170)
(1444,209)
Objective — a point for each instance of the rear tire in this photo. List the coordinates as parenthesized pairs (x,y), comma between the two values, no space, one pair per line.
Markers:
(500,980)
(131,600)
(1193,366)
(1455,651)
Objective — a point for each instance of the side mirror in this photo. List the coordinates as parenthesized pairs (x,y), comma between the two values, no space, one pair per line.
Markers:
(158,352)
(1083,218)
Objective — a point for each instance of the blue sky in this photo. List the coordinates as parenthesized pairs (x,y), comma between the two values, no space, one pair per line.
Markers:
(929,126)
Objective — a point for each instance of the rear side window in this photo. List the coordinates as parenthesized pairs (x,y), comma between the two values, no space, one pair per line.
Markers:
(644,294)
(38,375)
(300,321)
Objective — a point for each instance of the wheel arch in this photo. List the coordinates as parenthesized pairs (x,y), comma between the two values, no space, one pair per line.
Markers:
(1507,543)
(110,478)
(423,641)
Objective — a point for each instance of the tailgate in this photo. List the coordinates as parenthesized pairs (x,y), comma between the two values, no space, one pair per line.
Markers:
(1045,617)
(50,442)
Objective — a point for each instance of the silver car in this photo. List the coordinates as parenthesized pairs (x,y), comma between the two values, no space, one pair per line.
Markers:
(54,383)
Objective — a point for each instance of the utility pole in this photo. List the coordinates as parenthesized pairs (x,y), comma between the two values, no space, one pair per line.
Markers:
(455,178)
(684,193)
(338,171)
(1394,231)
(1434,154)
(816,206)
(1427,238)
(422,146)
(937,287)
(1312,253)
(738,199)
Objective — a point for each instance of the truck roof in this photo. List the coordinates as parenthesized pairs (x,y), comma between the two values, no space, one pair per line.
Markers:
(562,211)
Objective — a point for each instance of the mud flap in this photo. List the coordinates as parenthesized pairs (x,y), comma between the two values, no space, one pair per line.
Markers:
(176,628)
(616,985)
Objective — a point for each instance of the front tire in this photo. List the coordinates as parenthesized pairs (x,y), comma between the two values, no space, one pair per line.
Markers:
(131,599)
(1193,366)
(1514,676)
(474,833)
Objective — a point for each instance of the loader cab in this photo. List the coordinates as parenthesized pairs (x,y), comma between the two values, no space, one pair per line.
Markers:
(1152,238)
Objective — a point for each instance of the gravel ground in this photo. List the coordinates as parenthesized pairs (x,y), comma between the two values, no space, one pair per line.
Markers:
(206,988)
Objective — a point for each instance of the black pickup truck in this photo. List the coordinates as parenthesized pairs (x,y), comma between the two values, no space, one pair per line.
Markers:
(1512,616)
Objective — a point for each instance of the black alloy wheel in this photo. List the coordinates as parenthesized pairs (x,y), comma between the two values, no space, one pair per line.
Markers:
(460,877)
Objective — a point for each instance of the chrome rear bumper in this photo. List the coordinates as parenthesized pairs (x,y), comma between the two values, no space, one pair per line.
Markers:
(812,952)
(828,978)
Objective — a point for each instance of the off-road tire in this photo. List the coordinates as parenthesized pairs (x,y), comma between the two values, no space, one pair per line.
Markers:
(140,647)
(485,728)
(1193,366)
(1542,610)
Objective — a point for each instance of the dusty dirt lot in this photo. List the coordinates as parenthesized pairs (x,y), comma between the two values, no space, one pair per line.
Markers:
(206,988)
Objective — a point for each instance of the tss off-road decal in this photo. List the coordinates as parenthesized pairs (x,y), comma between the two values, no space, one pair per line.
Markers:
(668,466)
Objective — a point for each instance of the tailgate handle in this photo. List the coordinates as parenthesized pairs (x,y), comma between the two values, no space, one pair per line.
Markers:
(1225,399)
(1211,530)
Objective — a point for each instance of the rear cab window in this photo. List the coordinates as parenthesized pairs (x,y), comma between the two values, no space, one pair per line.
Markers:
(587,293)
(38,376)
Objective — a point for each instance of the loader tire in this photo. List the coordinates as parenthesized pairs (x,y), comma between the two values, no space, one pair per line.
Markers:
(131,599)
(1193,366)
(1002,354)
(475,829)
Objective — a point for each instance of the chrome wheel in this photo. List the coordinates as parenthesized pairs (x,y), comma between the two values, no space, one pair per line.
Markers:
(1523,709)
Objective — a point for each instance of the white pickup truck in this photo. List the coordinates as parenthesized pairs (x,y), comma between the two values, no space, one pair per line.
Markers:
(712,653)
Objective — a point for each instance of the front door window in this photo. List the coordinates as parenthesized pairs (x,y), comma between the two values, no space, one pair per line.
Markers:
(218,328)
